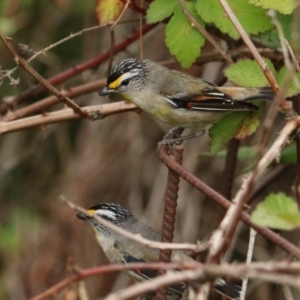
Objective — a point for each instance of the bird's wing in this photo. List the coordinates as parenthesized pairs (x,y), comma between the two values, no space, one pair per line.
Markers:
(149,274)
(210,99)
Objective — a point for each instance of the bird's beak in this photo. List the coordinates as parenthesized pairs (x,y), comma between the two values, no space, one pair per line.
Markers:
(105,91)
(81,216)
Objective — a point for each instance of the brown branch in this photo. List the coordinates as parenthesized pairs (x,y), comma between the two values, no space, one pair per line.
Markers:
(222,237)
(40,79)
(96,112)
(83,274)
(255,53)
(69,73)
(135,7)
(43,104)
(270,272)
(226,204)
(121,15)
(72,92)
(205,33)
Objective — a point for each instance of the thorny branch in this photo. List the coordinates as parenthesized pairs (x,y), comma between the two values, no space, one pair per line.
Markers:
(83,274)
(63,76)
(40,79)
(255,53)
(281,273)
(219,199)
(221,237)
(95,112)
(205,33)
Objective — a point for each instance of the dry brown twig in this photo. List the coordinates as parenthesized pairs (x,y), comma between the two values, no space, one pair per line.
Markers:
(251,244)
(86,273)
(72,35)
(205,33)
(121,15)
(255,53)
(96,112)
(40,79)
(221,237)
(281,273)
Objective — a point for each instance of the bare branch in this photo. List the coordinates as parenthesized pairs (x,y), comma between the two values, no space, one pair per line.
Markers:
(41,80)
(205,33)
(255,53)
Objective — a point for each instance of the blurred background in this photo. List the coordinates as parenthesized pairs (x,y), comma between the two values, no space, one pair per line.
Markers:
(112,160)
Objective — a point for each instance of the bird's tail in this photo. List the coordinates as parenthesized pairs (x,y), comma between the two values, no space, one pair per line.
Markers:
(229,290)
(248,94)
(265,93)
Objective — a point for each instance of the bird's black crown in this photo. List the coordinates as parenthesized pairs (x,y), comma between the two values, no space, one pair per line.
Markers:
(111,212)
(135,65)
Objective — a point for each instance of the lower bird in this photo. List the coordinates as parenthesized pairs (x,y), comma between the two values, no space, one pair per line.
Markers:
(120,249)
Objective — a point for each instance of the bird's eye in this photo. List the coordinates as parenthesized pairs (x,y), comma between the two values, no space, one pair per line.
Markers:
(125,82)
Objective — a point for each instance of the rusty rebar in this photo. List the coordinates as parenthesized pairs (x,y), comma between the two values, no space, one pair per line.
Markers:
(175,153)
(225,203)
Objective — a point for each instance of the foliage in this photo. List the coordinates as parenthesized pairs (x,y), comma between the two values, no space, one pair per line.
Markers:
(115,159)
(277,211)
(251,14)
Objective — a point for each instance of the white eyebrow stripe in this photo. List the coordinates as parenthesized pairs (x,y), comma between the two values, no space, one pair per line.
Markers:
(127,75)
(106,213)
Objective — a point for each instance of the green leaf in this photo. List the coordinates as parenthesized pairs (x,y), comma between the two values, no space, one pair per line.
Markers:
(277,211)
(108,10)
(283,6)
(244,153)
(271,38)
(288,155)
(250,123)
(235,124)
(285,79)
(183,40)
(246,72)
(253,19)
(222,131)
(160,10)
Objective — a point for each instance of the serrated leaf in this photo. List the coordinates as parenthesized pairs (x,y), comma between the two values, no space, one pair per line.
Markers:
(250,122)
(277,211)
(271,38)
(253,19)
(222,131)
(183,40)
(246,72)
(107,11)
(160,10)
(283,6)
(237,124)
(283,81)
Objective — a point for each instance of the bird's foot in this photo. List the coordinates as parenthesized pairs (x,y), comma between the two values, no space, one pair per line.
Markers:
(173,137)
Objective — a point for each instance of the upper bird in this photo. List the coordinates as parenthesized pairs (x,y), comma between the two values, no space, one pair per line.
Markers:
(120,249)
(177,98)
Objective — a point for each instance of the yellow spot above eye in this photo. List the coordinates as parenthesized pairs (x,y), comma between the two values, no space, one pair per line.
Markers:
(116,83)
(90,211)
